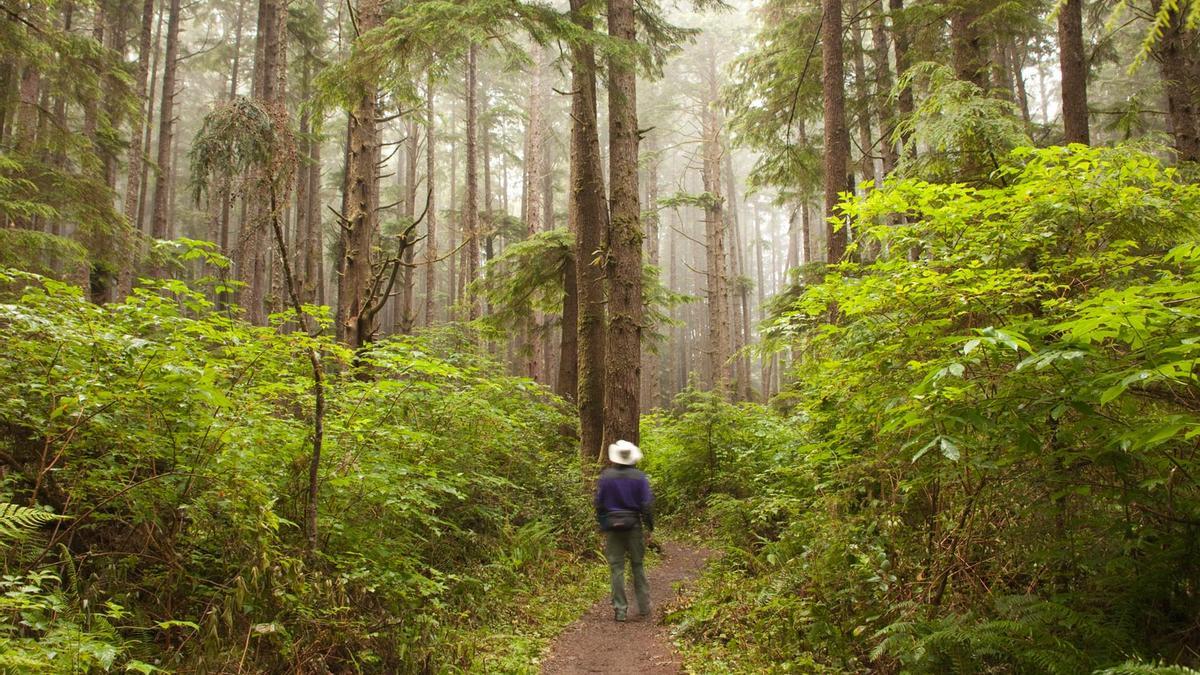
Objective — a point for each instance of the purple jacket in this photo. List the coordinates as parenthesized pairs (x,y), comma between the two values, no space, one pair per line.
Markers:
(624,488)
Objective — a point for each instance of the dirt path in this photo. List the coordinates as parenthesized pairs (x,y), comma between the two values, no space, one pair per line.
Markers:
(597,644)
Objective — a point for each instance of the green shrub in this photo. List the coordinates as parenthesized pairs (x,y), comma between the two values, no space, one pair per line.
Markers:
(176,440)
(993,428)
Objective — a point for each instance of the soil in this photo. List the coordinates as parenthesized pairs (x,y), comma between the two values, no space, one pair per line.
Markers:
(598,644)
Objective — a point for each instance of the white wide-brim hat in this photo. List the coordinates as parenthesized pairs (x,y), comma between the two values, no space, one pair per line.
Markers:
(624,452)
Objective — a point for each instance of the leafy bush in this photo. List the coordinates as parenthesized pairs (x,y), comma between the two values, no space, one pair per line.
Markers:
(994,427)
(176,439)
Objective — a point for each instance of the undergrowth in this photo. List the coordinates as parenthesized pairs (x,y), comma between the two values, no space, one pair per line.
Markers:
(170,442)
(986,458)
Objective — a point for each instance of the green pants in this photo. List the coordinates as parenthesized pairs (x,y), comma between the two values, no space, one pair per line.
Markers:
(616,546)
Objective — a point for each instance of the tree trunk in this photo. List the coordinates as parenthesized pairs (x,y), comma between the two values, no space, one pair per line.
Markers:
(652,358)
(143,181)
(837,136)
(1176,53)
(361,187)
(158,222)
(968,44)
(716,275)
(431,251)
(455,222)
(133,187)
(865,104)
(761,291)
(1017,59)
(534,218)
(471,198)
(406,311)
(901,42)
(883,88)
(588,217)
(738,291)
(1074,71)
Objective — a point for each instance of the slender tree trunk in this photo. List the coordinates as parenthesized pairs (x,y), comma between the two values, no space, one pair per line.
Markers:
(431,245)
(652,358)
(471,198)
(407,313)
(158,225)
(303,184)
(883,88)
(863,93)
(568,349)
(738,290)
(837,136)
(761,291)
(144,192)
(900,32)
(534,217)
(1074,71)
(716,276)
(1016,54)
(226,196)
(358,230)
(455,222)
(133,185)
(588,215)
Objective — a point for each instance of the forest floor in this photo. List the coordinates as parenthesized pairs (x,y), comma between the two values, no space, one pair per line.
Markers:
(597,644)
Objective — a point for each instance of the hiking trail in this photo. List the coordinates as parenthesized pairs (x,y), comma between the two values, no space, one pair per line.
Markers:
(597,644)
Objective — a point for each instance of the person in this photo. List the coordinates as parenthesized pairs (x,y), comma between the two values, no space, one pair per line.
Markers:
(623,508)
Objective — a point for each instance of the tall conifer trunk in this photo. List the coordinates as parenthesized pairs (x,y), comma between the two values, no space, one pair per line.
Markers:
(471,197)
(1176,52)
(431,205)
(158,222)
(623,364)
(1074,71)
(360,215)
(133,185)
(837,136)
(588,215)
(716,275)
(534,213)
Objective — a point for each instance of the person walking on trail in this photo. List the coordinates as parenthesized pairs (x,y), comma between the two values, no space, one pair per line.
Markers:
(623,509)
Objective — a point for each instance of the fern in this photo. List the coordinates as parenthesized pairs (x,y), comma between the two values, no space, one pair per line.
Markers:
(16,520)
(1140,668)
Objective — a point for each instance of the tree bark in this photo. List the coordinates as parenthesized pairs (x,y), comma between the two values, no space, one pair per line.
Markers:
(471,197)
(158,222)
(406,311)
(1176,54)
(361,187)
(133,187)
(1074,71)
(863,93)
(534,219)
(588,217)
(623,366)
(652,358)
(900,43)
(739,294)
(883,88)
(716,274)
(968,45)
(837,136)
(431,245)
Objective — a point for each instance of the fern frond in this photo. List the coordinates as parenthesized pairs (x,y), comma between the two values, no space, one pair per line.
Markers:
(16,520)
